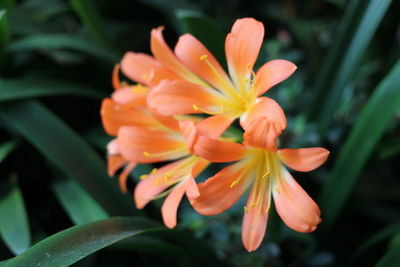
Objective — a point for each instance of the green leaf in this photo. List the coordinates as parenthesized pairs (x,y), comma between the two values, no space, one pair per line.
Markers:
(373,120)
(30,88)
(4,31)
(90,17)
(392,257)
(14,226)
(61,41)
(67,150)
(5,149)
(204,29)
(73,244)
(357,28)
(78,204)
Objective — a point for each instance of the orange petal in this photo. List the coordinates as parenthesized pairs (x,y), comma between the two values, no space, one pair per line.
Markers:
(294,205)
(179,97)
(200,165)
(114,162)
(242,46)
(114,116)
(261,133)
(143,145)
(123,177)
(219,151)
(170,206)
(265,107)
(188,130)
(214,126)
(112,147)
(127,95)
(166,57)
(220,192)
(256,214)
(194,55)
(303,159)
(115,77)
(272,73)
(192,190)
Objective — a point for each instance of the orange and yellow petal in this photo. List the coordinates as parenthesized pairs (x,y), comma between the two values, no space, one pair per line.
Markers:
(221,191)
(272,73)
(265,107)
(219,151)
(294,205)
(138,67)
(115,77)
(123,177)
(214,126)
(170,206)
(143,145)
(180,97)
(242,46)
(196,57)
(114,162)
(261,133)
(303,159)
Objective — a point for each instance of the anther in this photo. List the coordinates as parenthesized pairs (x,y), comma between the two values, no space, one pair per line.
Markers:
(234,183)
(153,171)
(252,204)
(277,190)
(143,176)
(245,209)
(267,210)
(203,57)
(265,175)
(195,107)
(146,154)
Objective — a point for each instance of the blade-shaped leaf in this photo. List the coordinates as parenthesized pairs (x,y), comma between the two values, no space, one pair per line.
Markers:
(373,120)
(14,227)
(5,149)
(392,257)
(357,28)
(71,245)
(4,31)
(90,17)
(78,204)
(67,150)
(29,88)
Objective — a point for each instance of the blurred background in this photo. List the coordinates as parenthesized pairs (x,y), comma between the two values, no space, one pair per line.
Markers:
(56,59)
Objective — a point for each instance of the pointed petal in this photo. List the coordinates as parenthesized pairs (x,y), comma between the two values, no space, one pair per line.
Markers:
(115,77)
(294,205)
(214,126)
(261,133)
(143,145)
(123,177)
(220,192)
(195,56)
(112,147)
(219,151)
(134,95)
(114,162)
(166,57)
(256,215)
(265,107)
(242,46)
(188,130)
(170,206)
(138,67)
(179,97)
(303,159)
(191,188)
(272,73)
(200,165)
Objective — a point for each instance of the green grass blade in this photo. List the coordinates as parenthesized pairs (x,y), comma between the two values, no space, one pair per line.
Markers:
(14,226)
(392,257)
(61,41)
(359,145)
(204,29)
(4,31)
(73,244)
(30,88)
(5,149)
(79,205)
(67,150)
(359,24)
(91,19)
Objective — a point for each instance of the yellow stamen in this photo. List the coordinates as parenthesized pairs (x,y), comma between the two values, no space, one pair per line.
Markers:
(195,107)
(267,209)
(246,80)
(153,171)
(277,190)
(146,154)
(265,175)
(234,183)
(252,204)
(138,88)
(245,209)
(143,176)
(248,67)
(203,57)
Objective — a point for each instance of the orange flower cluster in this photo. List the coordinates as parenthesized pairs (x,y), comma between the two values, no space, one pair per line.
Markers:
(155,121)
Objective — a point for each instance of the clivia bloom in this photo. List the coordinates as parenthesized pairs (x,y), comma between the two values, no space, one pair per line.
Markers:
(259,165)
(204,87)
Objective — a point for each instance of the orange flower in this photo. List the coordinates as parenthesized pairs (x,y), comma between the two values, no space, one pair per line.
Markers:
(259,165)
(204,87)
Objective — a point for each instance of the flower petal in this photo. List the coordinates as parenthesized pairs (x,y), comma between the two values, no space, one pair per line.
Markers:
(133,95)
(261,133)
(256,214)
(214,126)
(192,191)
(194,55)
(143,145)
(220,192)
(242,46)
(303,159)
(265,107)
(272,73)
(123,177)
(115,77)
(294,205)
(219,151)
(138,67)
(114,162)
(170,206)
(188,130)
(166,57)
(179,97)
